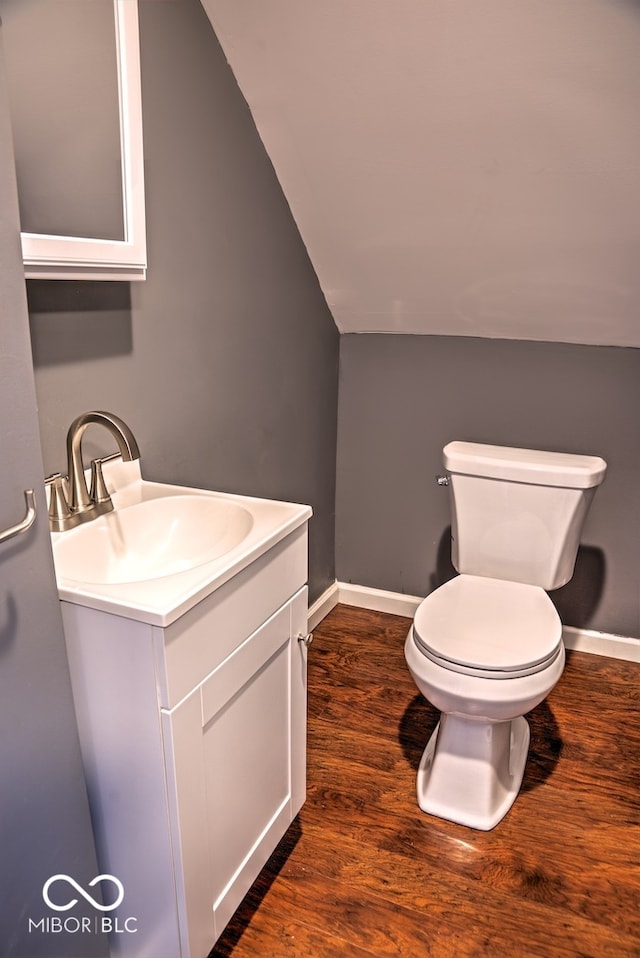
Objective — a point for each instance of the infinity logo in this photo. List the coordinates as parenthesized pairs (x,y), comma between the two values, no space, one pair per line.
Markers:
(70,881)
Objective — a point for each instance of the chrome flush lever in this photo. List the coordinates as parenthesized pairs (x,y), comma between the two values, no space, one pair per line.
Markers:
(442,480)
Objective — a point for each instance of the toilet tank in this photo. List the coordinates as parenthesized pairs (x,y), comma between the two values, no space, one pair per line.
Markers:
(517,514)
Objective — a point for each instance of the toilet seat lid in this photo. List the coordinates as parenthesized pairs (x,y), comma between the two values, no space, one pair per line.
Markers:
(481,625)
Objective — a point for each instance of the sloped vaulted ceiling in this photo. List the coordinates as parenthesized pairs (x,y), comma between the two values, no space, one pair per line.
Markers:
(459,167)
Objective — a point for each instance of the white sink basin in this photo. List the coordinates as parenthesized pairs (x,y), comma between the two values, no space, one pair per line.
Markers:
(165,547)
(152,539)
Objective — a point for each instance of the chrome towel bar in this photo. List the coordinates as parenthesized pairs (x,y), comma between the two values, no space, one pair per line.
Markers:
(28,520)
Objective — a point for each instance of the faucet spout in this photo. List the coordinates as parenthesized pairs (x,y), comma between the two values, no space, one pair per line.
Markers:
(80,502)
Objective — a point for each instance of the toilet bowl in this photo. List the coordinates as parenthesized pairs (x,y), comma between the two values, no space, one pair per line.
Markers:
(484,652)
(486,647)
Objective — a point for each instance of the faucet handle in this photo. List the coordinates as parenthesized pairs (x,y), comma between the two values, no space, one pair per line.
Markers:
(59,510)
(98,492)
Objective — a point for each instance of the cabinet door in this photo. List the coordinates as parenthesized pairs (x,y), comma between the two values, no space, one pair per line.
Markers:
(236,782)
(74,80)
(298,655)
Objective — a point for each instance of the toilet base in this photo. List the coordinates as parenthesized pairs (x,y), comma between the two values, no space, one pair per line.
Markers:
(471,770)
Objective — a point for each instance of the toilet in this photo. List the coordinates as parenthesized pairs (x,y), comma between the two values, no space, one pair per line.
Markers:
(486,647)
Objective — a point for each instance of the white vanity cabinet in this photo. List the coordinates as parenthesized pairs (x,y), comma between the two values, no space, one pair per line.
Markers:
(194,743)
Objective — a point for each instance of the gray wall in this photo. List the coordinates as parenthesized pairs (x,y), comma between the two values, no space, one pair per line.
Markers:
(224,361)
(403,397)
(45,827)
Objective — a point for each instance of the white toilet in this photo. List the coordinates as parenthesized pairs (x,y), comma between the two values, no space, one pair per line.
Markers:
(486,647)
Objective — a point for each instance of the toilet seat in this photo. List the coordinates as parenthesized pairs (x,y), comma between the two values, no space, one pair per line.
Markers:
(489,628)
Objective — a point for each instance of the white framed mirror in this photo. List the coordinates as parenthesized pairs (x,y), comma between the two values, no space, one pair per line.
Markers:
(120,253)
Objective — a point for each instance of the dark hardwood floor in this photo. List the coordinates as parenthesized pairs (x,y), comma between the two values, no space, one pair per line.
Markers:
(363,872)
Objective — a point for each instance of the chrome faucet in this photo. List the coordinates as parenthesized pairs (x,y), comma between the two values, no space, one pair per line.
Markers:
(82,504)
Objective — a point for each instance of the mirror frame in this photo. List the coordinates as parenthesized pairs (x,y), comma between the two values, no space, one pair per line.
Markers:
(48,256)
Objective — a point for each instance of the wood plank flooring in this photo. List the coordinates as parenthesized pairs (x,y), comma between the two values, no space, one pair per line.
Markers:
(363,872)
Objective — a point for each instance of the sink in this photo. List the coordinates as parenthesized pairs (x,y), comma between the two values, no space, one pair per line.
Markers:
(165,547)
(152,539)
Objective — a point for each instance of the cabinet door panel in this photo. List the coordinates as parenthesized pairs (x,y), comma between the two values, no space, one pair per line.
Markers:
(236,670)
(246,750)
(228,755)
(186,789)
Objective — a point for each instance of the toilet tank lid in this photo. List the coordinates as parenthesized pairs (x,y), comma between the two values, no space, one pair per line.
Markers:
(524,465)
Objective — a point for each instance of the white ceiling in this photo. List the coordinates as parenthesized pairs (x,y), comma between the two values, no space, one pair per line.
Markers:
(454,166)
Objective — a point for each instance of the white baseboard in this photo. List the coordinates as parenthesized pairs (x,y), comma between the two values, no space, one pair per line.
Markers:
(397,603)
(322,606)
(601,643)
(378,600)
